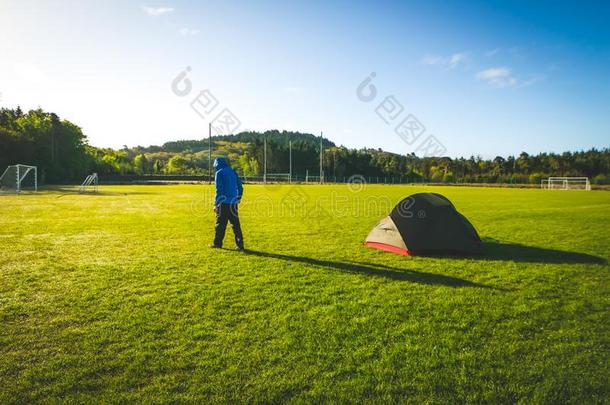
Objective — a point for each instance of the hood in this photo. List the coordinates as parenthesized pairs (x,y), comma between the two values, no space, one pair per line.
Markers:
(220,162)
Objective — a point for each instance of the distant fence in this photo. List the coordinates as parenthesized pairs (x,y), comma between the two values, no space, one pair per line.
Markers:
(153,178)
(177,179)
(163,178)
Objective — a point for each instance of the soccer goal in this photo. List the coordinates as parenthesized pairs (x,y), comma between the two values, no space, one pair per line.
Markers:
(90,184)
(17,178)
(278,177)
(314,179)
(566,183)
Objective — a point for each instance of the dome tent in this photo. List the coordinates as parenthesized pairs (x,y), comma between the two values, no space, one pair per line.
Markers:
(424,222)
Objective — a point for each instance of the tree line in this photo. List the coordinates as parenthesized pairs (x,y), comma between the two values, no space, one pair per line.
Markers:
(61,151)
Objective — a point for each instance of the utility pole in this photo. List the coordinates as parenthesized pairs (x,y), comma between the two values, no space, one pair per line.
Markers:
(290,161)
(210,153)
(265,163)
(321,175)
(335,164)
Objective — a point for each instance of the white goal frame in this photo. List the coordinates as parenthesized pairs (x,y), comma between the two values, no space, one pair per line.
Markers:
(314,179)
(278,177)
(20,173)
(91,182)
(566,183)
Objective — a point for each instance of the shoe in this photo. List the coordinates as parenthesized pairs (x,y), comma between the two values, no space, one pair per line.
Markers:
(215,247)
(240,249)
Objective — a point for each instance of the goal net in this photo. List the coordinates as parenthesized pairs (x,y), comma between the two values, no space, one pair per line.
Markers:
(17,178)
(277,177)
(566,183)
(89,184)
(314,179)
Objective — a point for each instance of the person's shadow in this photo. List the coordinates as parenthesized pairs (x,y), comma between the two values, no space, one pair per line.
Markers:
(377,270)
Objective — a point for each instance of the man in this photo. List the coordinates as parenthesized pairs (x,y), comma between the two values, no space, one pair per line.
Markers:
(229,191)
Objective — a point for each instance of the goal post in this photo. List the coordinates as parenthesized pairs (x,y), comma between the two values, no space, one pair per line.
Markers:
(89,184)
(314,179)
(279,177)
(566,183)
(16,178)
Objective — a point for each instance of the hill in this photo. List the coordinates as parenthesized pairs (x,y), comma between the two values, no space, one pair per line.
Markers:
(275,136)
(61,151)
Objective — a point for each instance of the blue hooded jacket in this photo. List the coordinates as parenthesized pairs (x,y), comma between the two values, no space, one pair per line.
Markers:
(228,184)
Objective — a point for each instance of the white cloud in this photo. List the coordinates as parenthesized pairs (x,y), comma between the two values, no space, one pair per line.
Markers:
(432,60)
(493,73)
(188,32)
(450,62)
(497,77)
(532,80)
(456,59)
(157,11)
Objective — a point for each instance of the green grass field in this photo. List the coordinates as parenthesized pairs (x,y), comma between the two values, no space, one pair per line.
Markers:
(116,297)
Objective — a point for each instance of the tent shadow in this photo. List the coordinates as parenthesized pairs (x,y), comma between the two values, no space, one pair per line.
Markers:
(493,250)
(375,270)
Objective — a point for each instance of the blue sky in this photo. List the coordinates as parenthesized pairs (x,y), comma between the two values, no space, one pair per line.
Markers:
(488,78)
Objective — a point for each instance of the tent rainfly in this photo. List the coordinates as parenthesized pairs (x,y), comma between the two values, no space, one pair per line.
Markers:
(424,222)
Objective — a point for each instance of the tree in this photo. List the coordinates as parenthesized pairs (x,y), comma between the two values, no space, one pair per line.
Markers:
(140,164)
(60,150)
(248,165)
(176,165)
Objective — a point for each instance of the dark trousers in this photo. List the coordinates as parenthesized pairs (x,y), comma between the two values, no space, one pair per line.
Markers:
(228,212)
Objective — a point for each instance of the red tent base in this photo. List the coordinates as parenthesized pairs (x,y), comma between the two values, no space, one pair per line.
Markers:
(387,248)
